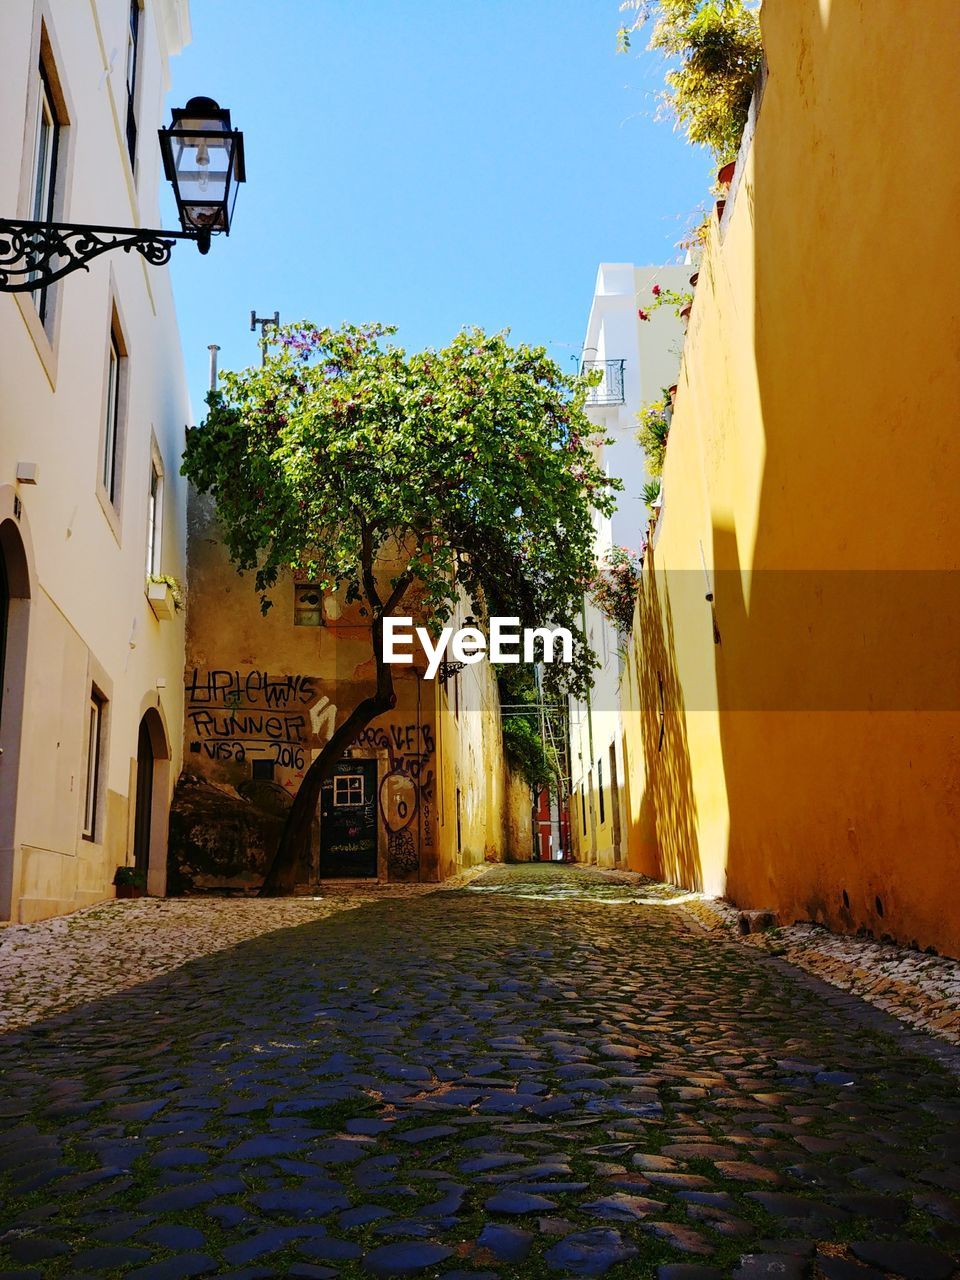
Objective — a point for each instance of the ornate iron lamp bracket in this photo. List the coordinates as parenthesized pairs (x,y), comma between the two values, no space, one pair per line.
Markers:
(34,255)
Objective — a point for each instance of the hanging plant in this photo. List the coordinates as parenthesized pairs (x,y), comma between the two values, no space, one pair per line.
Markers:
(654,420)
(167,580)
(676,298)
(614,588)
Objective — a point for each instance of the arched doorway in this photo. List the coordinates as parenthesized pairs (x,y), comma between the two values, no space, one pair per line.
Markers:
(151,801)
(143,818)
(14,619)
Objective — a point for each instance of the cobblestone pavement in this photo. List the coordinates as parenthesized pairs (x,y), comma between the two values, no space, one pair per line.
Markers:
(918,988)
(536,1075)
(52,965)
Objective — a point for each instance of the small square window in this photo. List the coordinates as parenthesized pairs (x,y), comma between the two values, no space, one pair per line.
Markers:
(307,605)
(348,789)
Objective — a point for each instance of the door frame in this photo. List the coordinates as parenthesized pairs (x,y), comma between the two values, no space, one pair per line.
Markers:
(151,715)
(381,756)
(17,551)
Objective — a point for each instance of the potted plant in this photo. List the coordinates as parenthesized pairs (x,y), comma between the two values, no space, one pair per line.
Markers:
(129,882)
(164,595)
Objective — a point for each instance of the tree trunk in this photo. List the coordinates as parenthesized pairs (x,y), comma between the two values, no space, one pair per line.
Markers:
(295,838)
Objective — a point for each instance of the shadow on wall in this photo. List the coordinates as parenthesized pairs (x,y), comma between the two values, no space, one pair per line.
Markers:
(668,815)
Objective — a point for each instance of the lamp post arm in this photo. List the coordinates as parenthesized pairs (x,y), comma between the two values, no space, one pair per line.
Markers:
(34,255)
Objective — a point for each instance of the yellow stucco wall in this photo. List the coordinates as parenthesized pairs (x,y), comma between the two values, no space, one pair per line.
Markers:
(810,761)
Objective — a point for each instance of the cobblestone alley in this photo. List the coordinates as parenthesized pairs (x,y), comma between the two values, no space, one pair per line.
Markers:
(534,1075)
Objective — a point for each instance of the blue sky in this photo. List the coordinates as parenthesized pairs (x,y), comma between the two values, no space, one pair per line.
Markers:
(428,164)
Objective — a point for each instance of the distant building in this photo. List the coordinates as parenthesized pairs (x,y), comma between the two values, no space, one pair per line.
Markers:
(638,359)
(93,405)
(422,793)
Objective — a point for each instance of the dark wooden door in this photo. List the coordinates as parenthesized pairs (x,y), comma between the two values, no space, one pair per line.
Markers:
(348,821)
(143,819)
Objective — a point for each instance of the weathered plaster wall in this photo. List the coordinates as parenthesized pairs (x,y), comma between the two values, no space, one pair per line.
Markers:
(809,762)
(518,818)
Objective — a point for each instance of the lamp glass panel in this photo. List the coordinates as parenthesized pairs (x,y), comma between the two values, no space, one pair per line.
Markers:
(203,176)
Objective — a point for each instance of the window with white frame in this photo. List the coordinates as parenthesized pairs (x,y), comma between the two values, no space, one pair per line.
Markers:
(113,416)
(92,781)
(154,519)
(46,153)
(133,57)
(348,789)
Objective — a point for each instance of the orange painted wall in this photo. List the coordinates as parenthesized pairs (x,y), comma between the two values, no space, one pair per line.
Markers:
(813,466)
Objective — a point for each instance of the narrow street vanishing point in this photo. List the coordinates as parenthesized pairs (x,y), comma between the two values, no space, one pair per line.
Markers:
(542,1073)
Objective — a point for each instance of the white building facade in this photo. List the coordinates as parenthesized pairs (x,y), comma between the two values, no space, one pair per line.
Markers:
(638,360)
(93,406)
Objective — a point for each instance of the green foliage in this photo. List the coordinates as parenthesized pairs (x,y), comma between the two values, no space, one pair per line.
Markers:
(654,419)
(523,744)
(716,53)
(614,588)
(676,298)
(526,753)
(651,492)
(468,467)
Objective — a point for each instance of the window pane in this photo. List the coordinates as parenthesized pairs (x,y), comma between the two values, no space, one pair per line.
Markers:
(307,605)
(154,519)
(348,789)
(133,42)
(45,165)
(109,471)
(93,768)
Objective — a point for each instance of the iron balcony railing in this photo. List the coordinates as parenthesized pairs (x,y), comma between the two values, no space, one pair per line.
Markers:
(610,390)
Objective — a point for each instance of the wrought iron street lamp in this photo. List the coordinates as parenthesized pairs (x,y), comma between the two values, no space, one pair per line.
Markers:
(203,160)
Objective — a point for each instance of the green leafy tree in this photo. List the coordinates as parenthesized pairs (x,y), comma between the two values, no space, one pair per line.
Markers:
(715,51)
(466,469)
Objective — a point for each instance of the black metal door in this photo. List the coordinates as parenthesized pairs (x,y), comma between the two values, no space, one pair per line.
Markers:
(143,819)
(348,821)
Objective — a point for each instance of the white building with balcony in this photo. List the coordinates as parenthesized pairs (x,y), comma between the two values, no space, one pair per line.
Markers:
(639,359)
(93,405)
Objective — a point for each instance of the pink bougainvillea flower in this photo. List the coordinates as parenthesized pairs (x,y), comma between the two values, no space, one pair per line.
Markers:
(644,315)
(656,291)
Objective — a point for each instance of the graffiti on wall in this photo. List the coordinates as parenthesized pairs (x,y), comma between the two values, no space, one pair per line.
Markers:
(253,715)
(406,790)
(284,720)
